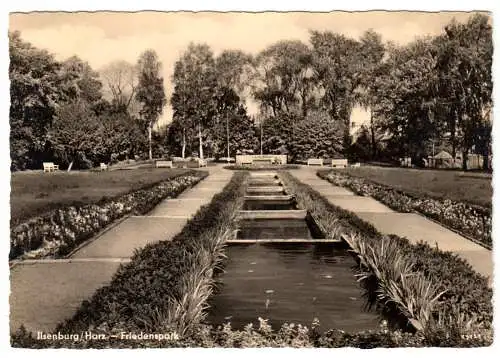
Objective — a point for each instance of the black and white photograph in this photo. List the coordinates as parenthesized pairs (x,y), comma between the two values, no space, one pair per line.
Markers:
(250,179)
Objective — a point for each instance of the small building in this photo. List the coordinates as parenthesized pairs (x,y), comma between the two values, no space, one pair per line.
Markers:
(442,160)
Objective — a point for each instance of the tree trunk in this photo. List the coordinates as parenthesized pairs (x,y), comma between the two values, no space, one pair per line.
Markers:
(464,160)
(227,132)
(372,130)
(183,143)
(201,141)
(486,154)
(149,139)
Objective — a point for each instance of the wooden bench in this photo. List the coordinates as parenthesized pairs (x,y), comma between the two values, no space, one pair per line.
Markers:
(104,166)
(356,165)
(315,161)
(164,164)
(50,167)
(202,163)
(339,163)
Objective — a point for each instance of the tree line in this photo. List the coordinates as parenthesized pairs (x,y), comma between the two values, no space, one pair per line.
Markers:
(436,90)
(65,111)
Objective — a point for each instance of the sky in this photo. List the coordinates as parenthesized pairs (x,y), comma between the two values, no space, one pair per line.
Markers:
(102,37)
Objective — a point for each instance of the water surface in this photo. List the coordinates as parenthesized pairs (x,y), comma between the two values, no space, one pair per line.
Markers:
(290,283)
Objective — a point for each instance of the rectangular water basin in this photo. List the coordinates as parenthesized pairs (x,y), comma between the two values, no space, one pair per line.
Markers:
(263,174)
(266,190)
(292,283)
(259,182)
(271,204)
(279,229)
(272,214)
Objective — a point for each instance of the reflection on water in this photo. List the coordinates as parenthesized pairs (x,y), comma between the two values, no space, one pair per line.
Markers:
(269,205)
(290,283)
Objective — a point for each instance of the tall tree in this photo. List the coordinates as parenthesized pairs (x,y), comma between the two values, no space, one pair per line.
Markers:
(34,96)
(338,66)
(284,77)
(150,91)
(74,134)
(465,81)
(121,80)
(195,83)
(372,52)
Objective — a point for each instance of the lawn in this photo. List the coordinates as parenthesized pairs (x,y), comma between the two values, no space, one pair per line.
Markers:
(454,185)
(33,193)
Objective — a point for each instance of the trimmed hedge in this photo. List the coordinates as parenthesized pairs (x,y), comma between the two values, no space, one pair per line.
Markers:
(60,231)
(473,221)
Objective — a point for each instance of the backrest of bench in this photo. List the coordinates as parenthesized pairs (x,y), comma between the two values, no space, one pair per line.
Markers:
(336,162)
(315,161)
(48,164)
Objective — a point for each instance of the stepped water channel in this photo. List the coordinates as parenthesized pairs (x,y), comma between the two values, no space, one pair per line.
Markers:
(280,267)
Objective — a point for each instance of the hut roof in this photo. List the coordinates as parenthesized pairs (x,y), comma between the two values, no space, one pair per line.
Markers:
(443,155)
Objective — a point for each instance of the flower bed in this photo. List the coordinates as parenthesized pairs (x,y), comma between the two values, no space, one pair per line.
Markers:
(60,231)
(472,221)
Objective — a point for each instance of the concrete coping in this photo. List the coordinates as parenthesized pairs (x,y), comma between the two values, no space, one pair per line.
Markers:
(269,197)
(266,189)
(272,214)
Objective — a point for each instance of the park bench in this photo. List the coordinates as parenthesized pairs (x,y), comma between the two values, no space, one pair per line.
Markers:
(104,166)
(50,167)
(202,163)
(339,163)
(356,165)
(164,164)
(263,161)
(315,161)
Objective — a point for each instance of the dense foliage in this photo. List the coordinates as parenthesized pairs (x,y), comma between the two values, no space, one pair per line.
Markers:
(472,221)
(58,232)
(61,112)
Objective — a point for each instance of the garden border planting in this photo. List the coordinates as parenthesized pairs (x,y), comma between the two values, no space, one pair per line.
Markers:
(152,293)
(60,231)
(472,222)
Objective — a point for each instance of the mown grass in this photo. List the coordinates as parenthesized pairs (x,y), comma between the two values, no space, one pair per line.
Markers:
(34,193)
(475,189)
